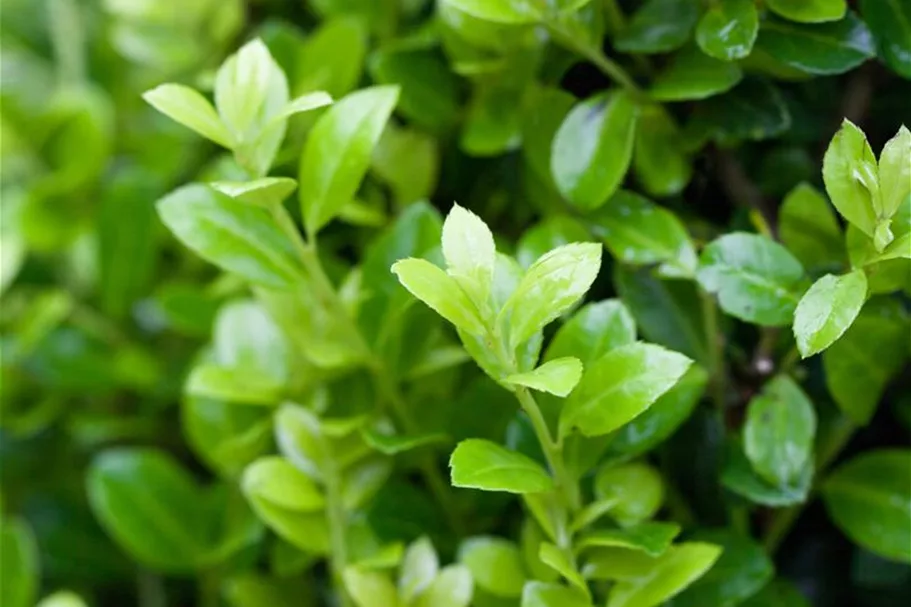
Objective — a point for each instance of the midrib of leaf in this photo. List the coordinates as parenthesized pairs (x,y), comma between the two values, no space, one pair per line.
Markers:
(901,17)
(239,236)
(850,489)
(822,39)
(761,281)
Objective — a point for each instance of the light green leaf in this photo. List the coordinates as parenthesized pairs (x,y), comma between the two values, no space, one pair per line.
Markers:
(390,444)
(266,192)
(850,173)
(860,364)
(809,229)
(453,587)
(363,479)
(560,562)
(659,26)
(614,564)
(305,103)
(236,385)
(299,436)
(370,588)
(676,569)
(18,564)
(441,292)
(827,310)
(619,386)
(890,23)
(660,159)
(743,569)
(338,150)
(275,480)
(635,489)
(639,232)
(739,476)
(592,149)
(242,88)
(555,282)
(594,330)
(495,565)
(894,174)
(502,11)
(694,75)
(779,431)
(234,236)
(186,106)
(868,499)
(756,279)
(558,376)
(809,11)
(541,594)
(151,506)
(651,537)
(470,253)
(827,48)
(485,465)
(728,29)
(419,568)
(332,57)
(62,599)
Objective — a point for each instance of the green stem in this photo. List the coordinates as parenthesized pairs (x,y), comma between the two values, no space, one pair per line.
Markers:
(335,518)
(783,520)
(714,345)
(608,66)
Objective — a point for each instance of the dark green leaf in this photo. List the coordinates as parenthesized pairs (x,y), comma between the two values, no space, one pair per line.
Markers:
(230,234)
(659,26)
(331,58)
(809,229)
(829,48)
(18,564)
(778,592)
(694,75)
(753,110)
(728,29)
(809,11)
(868,499)
(890,22)
(738,476)
(660,159)
(429,91)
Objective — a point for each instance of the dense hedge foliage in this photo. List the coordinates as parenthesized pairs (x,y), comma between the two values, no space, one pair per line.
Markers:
(253,355)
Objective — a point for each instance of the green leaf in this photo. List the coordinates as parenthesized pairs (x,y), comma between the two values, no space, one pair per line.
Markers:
(639,232)
(556,281)
(890,23)
(151,507)
(541,594)
(276,481)
(778,592)
(364,479)
(809,11)
(860,364)
(332,57)
(728,29)
(547,235)
(470,253)
(661,419)
(827,310)
(809,229)
(186,106)
(614,564)
(619,386)
(594,330)
(668,312)
(674,571)
(338,150)
(753,110)
(502,11)
(441,292)
(739,476)
(235,385)
(828,48)
(429,90)
(894,174)
(408,161)
(592,149)
(558,376)
(652,538)
(62,599)
(659,26)
(755,278)
(495,565)
(867,498)
(492,126)
(453,587)
(660,159)
(694,75)
(18,564)
(558,560)
(236,237)
(779,431)
(267,192)
(850,173)
(305,103)
(542,116)
(390,444)
(636,490)
(370,588)
(482,464)
(419,567)
(743,569)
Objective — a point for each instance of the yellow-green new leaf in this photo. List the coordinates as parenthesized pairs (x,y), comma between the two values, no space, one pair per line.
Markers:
(370,588)
(541,594)
(470,253)
(850,173)
(266,192)
(827,309)
(485,465)
(188,107)
(894,172)
(495,564)
(557,376)
(679,567)
(419,568)
(276,480)
(453,587)
(439,291)
(559,561)
(619,386)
